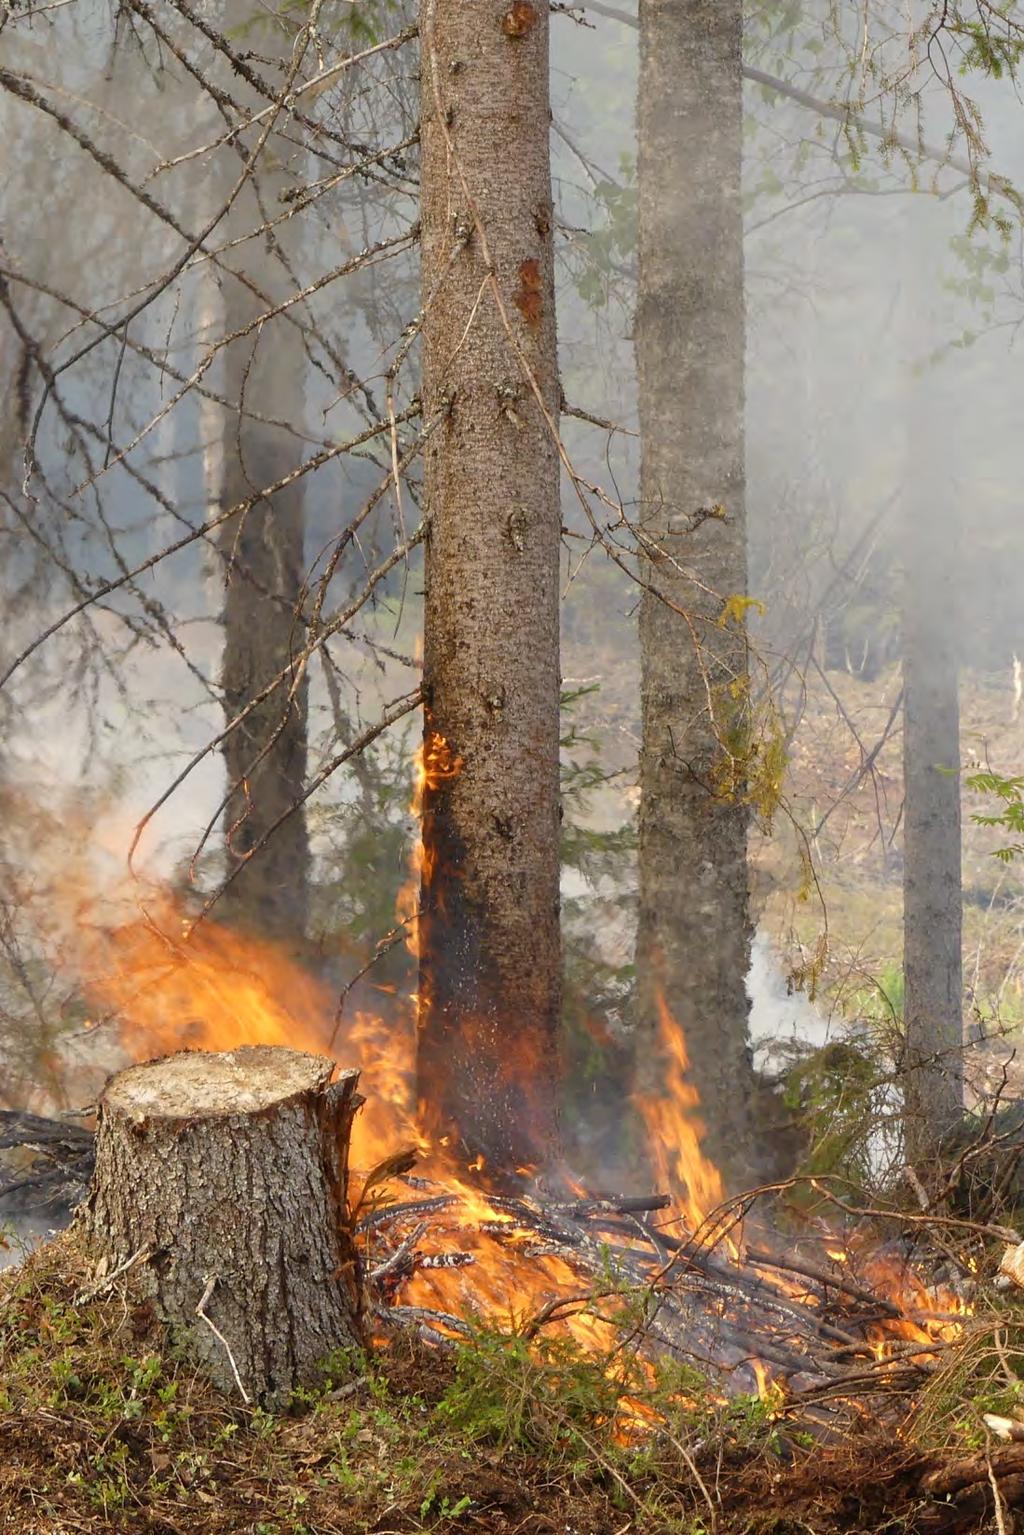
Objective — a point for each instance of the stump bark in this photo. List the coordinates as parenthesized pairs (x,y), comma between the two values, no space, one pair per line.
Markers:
(221,1182)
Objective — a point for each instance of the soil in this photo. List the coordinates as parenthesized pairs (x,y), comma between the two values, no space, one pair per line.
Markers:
(103,1429)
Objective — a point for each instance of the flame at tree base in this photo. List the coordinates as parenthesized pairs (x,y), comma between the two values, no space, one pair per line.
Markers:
(521,1261)
(485,1075)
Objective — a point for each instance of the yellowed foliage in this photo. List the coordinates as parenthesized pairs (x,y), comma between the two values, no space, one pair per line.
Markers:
(736,608)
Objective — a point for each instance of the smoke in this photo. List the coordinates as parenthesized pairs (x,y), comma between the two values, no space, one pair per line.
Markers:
(19,1234)
(779,1014)
(860,282)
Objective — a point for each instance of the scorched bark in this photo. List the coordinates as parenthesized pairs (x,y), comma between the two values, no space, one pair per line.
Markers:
(489,934)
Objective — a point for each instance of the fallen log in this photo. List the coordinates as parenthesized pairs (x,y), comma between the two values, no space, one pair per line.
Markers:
(966,1494)
(954,1475)
(61,1166)
(221,1181)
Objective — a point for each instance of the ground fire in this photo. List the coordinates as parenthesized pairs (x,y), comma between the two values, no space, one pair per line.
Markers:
(443,1241)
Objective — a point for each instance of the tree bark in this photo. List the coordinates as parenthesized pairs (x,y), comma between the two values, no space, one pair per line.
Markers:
(221,1180)
(490,976)
(264,569)
(694,933)
(932,892)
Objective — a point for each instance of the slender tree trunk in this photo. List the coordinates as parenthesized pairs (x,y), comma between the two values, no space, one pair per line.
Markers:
(264,566)
(932,893)
(694,933)
(489,933)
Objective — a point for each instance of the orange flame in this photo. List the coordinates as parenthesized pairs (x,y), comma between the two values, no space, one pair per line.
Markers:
(675,1135)
(216,989)
(761,1376)
(509,1279)
(934,1313)
(171,986)
(435,763)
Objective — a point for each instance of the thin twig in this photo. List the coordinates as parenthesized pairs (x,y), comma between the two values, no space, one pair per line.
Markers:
(201,1314)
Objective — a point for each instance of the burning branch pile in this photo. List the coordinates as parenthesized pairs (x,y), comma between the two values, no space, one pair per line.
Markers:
(825,1324)
(828,1332)
(681,1273)
(825,1330)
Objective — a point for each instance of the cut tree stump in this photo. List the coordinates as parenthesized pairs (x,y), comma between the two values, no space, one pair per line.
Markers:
(221,1183)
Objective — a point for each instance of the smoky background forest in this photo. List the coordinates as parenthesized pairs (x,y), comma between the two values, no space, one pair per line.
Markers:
(192,313)
(511,767)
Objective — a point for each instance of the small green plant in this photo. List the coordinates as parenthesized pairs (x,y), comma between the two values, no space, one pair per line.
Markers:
(833,1092)
(1009,817)
(444,1507)
(513,1391)
(981,1375)
(610,246)
(881,1001)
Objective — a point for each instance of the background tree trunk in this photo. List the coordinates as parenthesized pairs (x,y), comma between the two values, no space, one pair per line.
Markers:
(264,555)
(932,892)
(490,976)
(232,1169)
(694,932)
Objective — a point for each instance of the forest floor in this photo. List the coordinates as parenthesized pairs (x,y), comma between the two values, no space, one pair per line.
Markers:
(104,1428)
(843,804)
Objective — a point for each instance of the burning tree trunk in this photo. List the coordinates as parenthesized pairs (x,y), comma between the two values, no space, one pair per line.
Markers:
(489,931)
(932,893)
(693,945)
(221,1182)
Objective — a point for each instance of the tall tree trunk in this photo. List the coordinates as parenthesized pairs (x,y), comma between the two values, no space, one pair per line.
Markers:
(932,894)
(694,935)
(489,934)
(265,757)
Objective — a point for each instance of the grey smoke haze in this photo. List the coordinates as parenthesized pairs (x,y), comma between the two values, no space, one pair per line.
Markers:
(849,295)
(831,287)
(20,1233)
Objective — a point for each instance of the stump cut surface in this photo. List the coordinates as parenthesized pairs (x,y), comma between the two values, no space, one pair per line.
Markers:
(195,1083)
